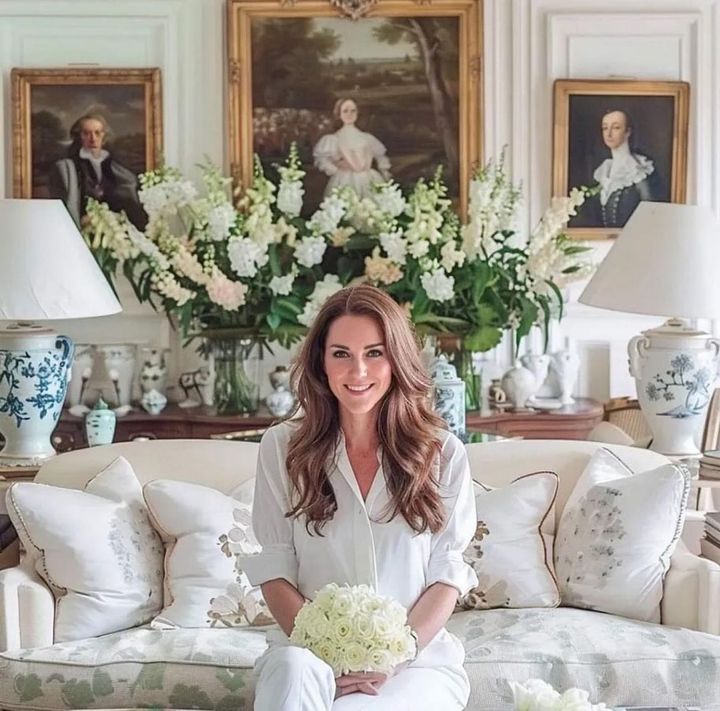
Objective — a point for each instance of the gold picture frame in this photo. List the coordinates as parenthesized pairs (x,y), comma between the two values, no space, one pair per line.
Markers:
(316,43)
(652,154)
(47,102)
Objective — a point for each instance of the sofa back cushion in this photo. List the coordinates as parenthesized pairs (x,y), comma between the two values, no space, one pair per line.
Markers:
(222,465)
(499,463)
(509,553)
(616,536)
(205,530)
(96,549)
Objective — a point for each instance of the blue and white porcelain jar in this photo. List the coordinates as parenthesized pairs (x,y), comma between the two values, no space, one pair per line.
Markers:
(33,383)
(449,395)
(100,424)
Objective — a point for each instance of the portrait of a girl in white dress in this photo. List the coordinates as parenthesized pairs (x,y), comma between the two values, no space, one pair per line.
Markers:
(351,156)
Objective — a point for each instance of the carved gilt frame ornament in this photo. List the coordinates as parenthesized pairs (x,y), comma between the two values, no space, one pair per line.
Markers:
(467,109)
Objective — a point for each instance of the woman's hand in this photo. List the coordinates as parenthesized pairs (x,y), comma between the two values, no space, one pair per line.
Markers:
(364,682)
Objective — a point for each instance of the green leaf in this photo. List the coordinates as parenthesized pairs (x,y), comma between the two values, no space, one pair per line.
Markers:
(482,339)
(528,316)
(558,296)
(273,320)
(274,260)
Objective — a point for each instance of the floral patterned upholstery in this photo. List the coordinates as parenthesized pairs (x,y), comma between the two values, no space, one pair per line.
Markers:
(616,659)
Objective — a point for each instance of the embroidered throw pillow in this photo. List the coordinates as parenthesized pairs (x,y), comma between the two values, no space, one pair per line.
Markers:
(205,530)
(96,549)
(509,552)
(616,535)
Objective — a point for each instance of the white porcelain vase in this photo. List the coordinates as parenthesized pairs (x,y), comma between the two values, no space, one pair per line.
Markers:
(120,365)
(565,366)
(154,370)
(80,374)
(675,368)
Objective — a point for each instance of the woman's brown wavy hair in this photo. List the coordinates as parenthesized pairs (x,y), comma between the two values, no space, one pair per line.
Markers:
(407,427)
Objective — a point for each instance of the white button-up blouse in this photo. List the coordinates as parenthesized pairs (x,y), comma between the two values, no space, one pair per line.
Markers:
(359,544)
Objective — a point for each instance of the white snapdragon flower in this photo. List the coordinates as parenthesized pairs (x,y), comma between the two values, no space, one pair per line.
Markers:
(282,285)
(147,247)
(220,219)
(438,285)
(451,257)
(390,200)
(309,251)
(166,284)
(394,245)
(290,197)
(246,256)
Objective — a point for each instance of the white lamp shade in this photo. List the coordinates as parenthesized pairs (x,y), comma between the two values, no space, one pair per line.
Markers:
(665,263)
(46,269)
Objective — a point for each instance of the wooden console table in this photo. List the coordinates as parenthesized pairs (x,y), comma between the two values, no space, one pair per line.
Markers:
(570,422)
(174,422)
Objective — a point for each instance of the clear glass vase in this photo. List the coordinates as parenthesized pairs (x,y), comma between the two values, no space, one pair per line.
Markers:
(236,361)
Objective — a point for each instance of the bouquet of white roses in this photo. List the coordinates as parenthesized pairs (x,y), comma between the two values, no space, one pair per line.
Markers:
(537,695)
(354,629)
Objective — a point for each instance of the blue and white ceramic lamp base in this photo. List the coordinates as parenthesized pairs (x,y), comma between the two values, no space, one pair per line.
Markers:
(675,369)
(34,367)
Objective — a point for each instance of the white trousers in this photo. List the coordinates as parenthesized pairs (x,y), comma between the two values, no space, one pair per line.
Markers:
(294,679)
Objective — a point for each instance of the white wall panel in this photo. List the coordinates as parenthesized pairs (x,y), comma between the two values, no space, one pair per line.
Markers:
(184,38)
(587,39)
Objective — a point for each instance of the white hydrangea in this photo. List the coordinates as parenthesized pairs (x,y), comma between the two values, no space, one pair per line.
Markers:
(246,256)
(309,251)
(290,197)
(390,200)
(394,245)
(327,218)
(418,249)
(282,285)
(220,219)
(166,197)
(438,285)
(323,290)
(353,629)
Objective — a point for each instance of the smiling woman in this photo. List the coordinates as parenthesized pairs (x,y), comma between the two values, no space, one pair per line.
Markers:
(365,487)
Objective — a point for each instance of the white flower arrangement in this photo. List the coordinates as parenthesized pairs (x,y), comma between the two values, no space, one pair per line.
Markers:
(538,695)
(250,261)
(354,629)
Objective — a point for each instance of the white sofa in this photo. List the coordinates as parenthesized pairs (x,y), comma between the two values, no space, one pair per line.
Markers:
(617,660)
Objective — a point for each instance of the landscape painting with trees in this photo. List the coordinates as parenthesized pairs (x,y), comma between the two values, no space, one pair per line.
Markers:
(408,82)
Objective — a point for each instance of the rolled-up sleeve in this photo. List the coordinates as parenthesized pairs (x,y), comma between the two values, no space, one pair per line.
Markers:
(272,529)
(446,563)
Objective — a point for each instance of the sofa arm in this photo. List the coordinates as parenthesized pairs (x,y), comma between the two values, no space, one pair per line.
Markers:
(691,593)
(27,609)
